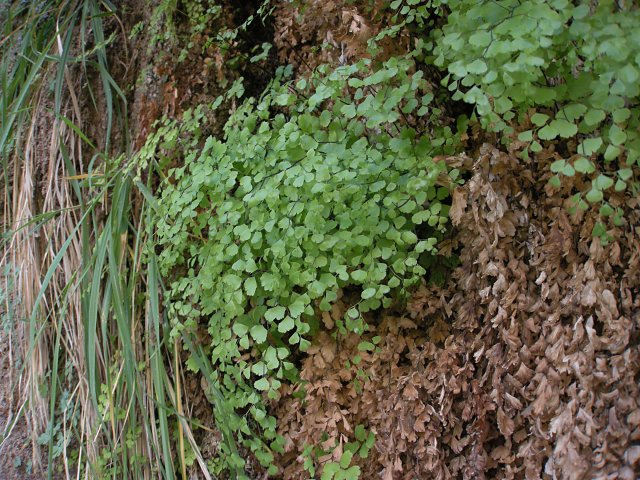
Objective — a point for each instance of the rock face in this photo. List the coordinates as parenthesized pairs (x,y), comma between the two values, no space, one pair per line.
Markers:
(523,363)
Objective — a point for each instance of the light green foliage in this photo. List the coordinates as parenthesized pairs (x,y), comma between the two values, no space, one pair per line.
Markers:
(578,66)
(201,13)
(317,186)
(359,448)
(507,56)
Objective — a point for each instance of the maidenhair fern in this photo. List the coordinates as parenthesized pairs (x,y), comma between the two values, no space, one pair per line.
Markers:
(576,63)
(567,70)
(318,186)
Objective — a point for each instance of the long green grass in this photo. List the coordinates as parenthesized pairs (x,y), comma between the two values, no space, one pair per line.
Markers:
(97,382)
(101,382)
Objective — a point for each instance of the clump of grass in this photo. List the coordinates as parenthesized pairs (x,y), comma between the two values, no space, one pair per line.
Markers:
(100,388)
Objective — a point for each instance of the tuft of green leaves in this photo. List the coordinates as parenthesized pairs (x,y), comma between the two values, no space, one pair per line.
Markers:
(319,185)
(343,469)
(575,65)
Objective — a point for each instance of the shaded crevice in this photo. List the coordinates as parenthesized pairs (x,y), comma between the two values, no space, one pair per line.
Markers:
(261,30)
